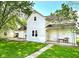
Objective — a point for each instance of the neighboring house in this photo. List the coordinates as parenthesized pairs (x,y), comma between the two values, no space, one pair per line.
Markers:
(9,33)
(20,33)
(40,29)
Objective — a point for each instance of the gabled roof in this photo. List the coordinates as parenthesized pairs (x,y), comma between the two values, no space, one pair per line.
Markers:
(51,17)
(34,11)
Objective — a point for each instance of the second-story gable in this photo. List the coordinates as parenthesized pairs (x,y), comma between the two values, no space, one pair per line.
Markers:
(36,19)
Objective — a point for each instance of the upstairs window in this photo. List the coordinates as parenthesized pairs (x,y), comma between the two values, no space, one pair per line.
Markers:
(34,18)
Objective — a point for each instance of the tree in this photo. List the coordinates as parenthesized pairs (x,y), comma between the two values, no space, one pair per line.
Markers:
(75,5)
(9,11)
(66,13)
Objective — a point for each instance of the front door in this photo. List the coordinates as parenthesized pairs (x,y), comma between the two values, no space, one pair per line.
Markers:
(52,35)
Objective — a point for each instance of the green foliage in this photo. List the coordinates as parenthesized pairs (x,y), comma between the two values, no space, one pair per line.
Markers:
(77,30)
(51,14)
(15,49)
(66,13)
(9,11)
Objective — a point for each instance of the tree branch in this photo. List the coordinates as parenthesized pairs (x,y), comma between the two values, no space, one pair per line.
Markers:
(6,21)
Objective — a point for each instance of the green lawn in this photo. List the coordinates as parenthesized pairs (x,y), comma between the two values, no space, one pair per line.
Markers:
(15,49)
(61,52)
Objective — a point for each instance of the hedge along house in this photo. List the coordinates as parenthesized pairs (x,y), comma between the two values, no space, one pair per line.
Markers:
(41,29)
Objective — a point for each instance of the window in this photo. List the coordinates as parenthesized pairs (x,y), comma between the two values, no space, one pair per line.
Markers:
(34,18)
(34,33)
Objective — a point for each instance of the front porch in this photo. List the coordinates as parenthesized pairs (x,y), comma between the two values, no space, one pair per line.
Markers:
(61,34)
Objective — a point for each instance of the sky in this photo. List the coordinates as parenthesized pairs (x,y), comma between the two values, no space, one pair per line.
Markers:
(46,7)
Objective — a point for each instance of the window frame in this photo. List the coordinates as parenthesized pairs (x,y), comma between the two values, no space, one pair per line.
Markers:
(34,18)
(34,33)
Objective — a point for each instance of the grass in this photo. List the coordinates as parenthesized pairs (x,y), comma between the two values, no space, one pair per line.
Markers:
(61,52)
(15,49)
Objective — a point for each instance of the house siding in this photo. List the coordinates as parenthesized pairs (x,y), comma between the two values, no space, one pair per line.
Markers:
(10,33)
(38,25)
(21,34)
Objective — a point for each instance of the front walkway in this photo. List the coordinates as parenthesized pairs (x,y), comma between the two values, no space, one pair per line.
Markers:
(37,53)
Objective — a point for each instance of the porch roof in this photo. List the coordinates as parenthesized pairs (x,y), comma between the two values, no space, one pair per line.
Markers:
(64,25)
